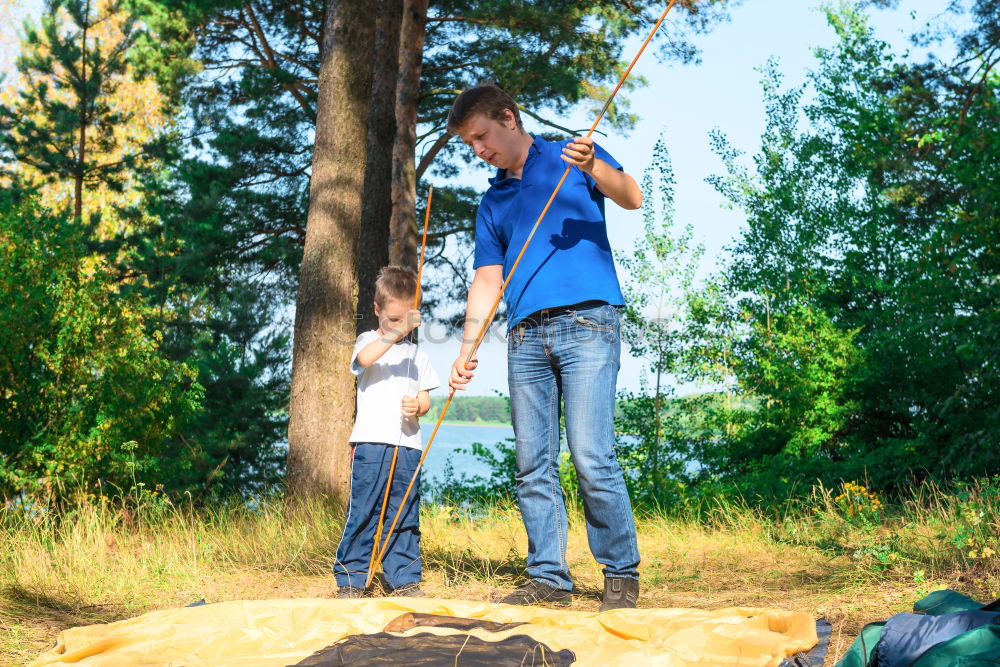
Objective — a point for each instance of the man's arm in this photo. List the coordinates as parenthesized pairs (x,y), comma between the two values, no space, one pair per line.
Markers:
(615,184)
(482,294)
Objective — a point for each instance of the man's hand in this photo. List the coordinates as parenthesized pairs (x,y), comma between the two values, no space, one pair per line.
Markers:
(613,183)
(410,406)
(580,153)
(461,373)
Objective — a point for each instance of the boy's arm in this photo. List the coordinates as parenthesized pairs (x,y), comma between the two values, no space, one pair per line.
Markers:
(615,184)
(416,406)
(371,352)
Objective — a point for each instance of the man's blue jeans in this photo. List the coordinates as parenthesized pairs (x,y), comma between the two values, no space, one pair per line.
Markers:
(573,355)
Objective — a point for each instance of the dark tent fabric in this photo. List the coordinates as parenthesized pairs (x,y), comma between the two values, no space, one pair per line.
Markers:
(427,650)
(817,655)
(470,651)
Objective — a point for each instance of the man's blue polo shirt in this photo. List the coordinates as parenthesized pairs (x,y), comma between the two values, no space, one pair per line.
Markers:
(569,259)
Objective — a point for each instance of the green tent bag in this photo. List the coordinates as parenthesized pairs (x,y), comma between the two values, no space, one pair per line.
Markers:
(959,644)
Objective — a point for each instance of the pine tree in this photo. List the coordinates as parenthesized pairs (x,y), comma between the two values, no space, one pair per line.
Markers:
(321,402)
(68,123)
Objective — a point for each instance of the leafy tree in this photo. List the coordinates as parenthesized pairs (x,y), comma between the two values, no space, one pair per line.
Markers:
(202,316)
(471,409)
(867,272)
(659,281)
(80,117)
(256,103)
(318,433)
(81,375)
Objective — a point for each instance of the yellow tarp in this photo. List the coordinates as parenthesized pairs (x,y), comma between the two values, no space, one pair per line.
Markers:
(283,632)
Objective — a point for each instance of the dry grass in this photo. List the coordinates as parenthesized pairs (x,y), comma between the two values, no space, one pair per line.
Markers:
(100,562)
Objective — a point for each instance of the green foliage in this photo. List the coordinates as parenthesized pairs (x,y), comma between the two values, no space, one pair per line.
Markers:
(655,451)
(67,96)
(853,334)
(207,312)
(81,375)
(471,409)
(864,289)
(801,368)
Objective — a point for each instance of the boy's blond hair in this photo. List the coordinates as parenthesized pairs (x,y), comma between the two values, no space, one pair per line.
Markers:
(395,282)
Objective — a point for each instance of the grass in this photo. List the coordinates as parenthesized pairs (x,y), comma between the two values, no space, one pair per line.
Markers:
(839,554)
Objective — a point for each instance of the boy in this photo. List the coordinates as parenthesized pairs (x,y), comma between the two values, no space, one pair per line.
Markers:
(563,335)
(394,377)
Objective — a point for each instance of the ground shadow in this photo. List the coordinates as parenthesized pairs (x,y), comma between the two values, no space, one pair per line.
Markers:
(31,607)
(33,620)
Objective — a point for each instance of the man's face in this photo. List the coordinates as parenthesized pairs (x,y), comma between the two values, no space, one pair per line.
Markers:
(496,142)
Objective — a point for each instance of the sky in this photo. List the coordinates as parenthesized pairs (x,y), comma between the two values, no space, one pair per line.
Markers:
(684,103)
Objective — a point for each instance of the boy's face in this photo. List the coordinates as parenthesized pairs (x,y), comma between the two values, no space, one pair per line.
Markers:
(498,143)
(391,314)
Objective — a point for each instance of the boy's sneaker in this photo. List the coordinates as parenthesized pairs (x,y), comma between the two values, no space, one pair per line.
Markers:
(408,591)
(350,593)
(620,593)
(537,591)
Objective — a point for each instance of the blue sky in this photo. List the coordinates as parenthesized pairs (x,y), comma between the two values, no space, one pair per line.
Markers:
(684,103)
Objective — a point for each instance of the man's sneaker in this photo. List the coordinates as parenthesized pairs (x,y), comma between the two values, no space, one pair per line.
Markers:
(619,593)
(537,591)
(408,591)
(350,593)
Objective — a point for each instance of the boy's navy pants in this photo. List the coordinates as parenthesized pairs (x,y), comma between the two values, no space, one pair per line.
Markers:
(369,474)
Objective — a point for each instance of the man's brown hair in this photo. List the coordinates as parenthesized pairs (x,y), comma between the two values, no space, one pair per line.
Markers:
(487,99)
(395,282)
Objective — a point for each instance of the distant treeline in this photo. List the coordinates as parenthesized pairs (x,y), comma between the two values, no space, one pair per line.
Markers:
(471,409)
(497,408)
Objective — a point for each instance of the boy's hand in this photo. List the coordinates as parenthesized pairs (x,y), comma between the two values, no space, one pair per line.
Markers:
(580,153)
(410,406)
(409,323)
(460,373)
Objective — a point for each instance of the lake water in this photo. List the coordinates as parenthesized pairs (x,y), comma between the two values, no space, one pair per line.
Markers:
(461,436)
(452,437)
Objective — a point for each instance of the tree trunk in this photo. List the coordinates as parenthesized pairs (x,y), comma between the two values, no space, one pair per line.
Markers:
(322,398)
(81,150)
(376,206)
(403,246)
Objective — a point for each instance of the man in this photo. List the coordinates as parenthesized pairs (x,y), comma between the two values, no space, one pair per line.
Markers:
(563,335)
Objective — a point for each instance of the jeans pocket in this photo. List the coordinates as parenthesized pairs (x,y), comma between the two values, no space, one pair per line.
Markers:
(601,322)
(600,318)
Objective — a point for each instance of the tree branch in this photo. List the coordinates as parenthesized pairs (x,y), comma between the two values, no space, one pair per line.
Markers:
(269,61)
(428,157)
(466,19)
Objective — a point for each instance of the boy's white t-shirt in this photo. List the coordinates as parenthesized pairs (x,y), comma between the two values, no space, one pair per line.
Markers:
(403,370)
